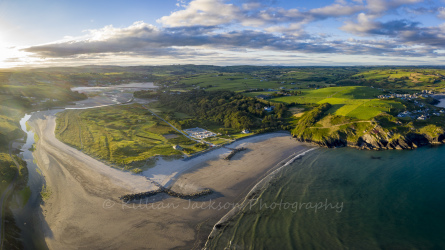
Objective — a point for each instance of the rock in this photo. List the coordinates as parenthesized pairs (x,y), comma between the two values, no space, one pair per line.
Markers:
(379,141)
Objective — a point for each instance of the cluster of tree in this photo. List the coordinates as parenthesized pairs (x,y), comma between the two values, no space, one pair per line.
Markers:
(295,92)
(251,90)
(226,108)
(316,86)
(287,92)
(145,94)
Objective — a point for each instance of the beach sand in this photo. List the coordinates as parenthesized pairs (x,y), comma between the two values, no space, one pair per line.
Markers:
(84,210)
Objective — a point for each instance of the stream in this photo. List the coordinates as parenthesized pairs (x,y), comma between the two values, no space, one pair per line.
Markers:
(29,217)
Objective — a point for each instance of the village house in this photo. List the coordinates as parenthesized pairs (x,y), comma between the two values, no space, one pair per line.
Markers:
(263,97)
(269,108)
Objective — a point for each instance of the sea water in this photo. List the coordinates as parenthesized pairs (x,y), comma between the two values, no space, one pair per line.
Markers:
(347,199)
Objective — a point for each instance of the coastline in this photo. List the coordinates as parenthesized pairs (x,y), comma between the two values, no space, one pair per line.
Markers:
(253,193)
(441,99)
(410,142)
(85,192)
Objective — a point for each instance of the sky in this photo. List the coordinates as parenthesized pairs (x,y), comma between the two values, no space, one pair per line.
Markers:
(222,32)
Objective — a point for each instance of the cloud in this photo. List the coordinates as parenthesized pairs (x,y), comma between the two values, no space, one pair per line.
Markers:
(405,32)
(367,26)
(253,14)
(202,27)
(441,13)
(202,12)
(336,10)
(142,38)
(419,10)
(429,36)
(380,6)
(13,60)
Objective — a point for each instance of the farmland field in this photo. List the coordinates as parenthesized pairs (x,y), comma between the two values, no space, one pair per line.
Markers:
(355,102)
(244,81)
(404,78)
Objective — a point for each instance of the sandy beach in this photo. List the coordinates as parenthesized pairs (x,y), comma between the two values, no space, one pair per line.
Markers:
(84,210)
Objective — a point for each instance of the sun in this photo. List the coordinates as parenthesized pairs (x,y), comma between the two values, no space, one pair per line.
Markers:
(5,55)
(11,56)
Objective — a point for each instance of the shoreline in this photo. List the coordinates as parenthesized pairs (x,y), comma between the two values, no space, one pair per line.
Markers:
(253,193)
(79,214)
(86,185)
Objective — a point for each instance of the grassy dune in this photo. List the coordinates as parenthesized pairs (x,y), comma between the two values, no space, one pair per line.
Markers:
(123,135)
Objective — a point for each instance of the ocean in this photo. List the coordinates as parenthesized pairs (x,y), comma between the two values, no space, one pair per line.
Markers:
(347,199)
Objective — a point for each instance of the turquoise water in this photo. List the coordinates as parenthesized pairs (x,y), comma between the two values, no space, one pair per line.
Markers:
(348,199)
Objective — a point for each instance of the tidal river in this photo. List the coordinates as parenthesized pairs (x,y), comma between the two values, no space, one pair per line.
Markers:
(28,215)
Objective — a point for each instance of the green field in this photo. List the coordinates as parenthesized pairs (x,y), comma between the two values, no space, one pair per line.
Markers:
(234,82)
(403,78)
(125,135)
(128,134)
(355,102)
(262,78)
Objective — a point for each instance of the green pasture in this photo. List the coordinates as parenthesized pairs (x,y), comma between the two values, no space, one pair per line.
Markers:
(400,78)
(243,81)
(355,102)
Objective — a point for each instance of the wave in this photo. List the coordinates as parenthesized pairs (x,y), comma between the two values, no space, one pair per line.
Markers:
(252,194)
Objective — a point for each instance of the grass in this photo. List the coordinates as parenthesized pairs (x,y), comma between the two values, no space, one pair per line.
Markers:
(431,130)
(46,192)
(244,81)
(217,140)
(411,78)
(125,135)
(7,170)
(240,135)
(354,102)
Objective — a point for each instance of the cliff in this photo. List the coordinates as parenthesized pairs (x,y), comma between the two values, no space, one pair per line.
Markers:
(379,139)
(382,132)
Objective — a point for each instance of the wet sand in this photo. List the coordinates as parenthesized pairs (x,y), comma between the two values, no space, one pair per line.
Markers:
(84,210)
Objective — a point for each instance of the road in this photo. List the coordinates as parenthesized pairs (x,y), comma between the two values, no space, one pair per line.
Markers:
(6,194)
(193,139)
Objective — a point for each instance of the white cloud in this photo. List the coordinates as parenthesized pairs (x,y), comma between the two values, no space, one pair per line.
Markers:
(218,25)
(252,14)
(337,9)
(251,6)
(295,29)
(441,13)
(202,12)
(380,6)
(364,24)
